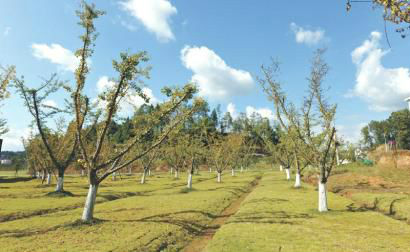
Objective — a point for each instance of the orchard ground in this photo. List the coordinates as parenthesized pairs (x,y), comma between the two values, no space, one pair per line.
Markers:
(370,211)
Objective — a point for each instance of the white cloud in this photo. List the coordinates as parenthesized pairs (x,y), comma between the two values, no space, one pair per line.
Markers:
(154,15)
(216,80)
(232,110)
(50,103)
(382,88)
(351,133)
(12,140)
(309,37)
(6,31)
(130,101)
(263,112)
(56,54)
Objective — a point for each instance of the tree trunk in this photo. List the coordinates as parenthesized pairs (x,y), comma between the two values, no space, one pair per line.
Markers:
(60,183)
(114,176)
(219,177)
(297,180)
(189,185)
(143,177)
(149,172)
(210,170)
(176,173)
(287,170)
(48,178)
(241,168)
(233,172)
(322,197)
(280,167)
(43,175)
(129,170)
(90,203)
(82,173)
(172,170)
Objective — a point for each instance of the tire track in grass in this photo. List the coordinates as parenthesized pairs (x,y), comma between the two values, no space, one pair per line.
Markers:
(199,243)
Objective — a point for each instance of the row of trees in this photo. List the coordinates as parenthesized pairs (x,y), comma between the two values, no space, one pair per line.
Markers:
(395,129)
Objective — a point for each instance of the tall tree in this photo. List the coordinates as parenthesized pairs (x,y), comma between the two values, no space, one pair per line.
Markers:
(130,72)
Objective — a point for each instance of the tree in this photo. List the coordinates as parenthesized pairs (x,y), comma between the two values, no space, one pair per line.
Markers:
(130,72)
(6,75)
(315,127)
(395,11)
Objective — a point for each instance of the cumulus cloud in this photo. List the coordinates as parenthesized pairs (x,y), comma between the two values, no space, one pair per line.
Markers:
(130,101)
(351,133)
(231,108)
(56,54)
(309,37)
(384,89)
(13,140)
(154,15)
(216,80)
(263,112)
(6,31)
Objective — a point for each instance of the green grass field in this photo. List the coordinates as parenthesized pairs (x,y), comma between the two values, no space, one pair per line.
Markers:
(276,217)
(162,215)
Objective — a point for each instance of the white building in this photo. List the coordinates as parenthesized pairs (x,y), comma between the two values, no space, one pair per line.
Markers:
(5,162)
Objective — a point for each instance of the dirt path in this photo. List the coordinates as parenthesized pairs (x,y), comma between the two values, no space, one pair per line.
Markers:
(200,242)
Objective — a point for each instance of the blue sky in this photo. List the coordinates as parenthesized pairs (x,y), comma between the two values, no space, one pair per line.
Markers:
(218,44)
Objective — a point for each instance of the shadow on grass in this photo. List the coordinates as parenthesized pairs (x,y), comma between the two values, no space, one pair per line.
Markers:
(60,194)
(14,180)
(273,217)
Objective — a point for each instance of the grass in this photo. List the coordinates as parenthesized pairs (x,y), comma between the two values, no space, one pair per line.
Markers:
(157,216)
(276,218)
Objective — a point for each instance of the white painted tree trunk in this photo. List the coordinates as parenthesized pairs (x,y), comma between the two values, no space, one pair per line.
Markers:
(233,172)
(176,173)
(149,172)
(297,180)
(287,170)
(129,170)
(37,174)
(48,178)
(43,175)
(172,169)
(210,170)
(241,168)
(82,173)
(114,176)
(189,185)
(90,203)
(219,177)
(322,197)
(143,177)
(60,183)
(280,167)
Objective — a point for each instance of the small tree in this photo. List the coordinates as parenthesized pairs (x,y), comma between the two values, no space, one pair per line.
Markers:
(6,75)
(315,127)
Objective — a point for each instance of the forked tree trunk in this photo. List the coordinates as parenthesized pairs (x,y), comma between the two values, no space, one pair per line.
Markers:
(189,184)
(322,197)
(219,179)
(287,170)
(297,180)
(48,178)
(144,172)
(233,172)
(90,203)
